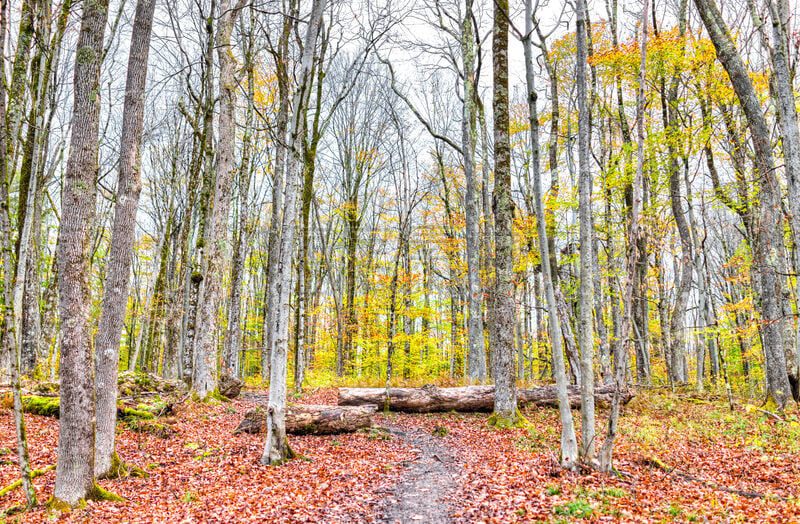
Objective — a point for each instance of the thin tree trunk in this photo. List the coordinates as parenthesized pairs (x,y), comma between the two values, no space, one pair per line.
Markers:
(569,444)
(276,449)
(476,355)
(585,334)
(233,338)
(204,380)
(9,346)
(671,119)
(391,326)
(790,142)
(115,291)
(621,344)
(281,126)
(768,253)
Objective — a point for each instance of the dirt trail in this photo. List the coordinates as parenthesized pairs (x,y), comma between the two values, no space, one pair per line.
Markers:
(424,491)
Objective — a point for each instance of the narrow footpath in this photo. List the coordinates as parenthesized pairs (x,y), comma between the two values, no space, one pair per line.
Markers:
(426,488)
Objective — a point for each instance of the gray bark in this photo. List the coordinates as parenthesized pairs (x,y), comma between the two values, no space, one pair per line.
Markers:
(75,466)
(631,259)
(585,334)
(233,337)
(476,357)
(790,142)
(503,206)
(115,293)
(671,117)
(569,444)
(310,419)
(281,125)
(204,379)
(432,399)
(276,449)
(9,343)
(767,257)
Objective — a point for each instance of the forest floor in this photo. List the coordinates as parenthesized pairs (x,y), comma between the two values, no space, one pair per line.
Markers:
(681,458)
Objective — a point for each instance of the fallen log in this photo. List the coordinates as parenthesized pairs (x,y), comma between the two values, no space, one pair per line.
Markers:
(429,398)
(307,419)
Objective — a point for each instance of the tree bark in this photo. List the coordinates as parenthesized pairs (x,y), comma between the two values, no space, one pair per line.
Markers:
(281,125)
(115,295)
(585,333)
(632,256)
(309,419)
(204,380)
(9,337)
(569,445)
(75,467)
(276,449)
(233,337)
(767,257)
(671,120)
(431,399)
(503,206)
(790,142)
(476,355)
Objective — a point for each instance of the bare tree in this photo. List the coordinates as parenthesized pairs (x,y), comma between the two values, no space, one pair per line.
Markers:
(631,258)
(585,338)
(204,380)
(569,445)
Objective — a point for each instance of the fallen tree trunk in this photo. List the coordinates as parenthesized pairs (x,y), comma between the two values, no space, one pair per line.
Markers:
(429,398)
(306,419)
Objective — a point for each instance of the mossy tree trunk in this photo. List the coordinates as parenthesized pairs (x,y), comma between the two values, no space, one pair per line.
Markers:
(505,401)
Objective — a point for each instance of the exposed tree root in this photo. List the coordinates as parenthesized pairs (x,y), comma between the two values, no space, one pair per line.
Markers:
(35,473)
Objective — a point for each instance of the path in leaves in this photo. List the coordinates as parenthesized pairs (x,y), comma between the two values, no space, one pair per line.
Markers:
(474,473)
(426,486)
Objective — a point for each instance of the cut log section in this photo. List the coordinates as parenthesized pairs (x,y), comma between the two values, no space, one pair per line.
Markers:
(429,398)
(307,419)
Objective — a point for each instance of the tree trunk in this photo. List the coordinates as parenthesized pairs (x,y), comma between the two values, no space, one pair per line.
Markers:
(115,295)
(790,142)
(391,325)
(204,380)
(431,399)
(569,445)
(631,259)
(671,120)
(309,419)
(9,346)
(233,337)
(505,305)
(75,467)
(585,334)
(276,449)
(768,249)
(281,126)
(476,355)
